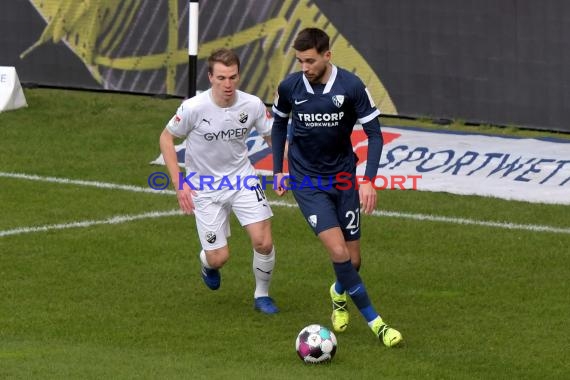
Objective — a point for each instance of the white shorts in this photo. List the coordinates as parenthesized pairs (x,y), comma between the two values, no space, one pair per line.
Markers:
(212,211)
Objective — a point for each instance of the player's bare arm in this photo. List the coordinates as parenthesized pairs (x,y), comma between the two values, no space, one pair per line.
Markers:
(184,194)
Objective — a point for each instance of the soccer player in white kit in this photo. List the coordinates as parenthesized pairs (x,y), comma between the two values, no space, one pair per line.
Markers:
(219,177)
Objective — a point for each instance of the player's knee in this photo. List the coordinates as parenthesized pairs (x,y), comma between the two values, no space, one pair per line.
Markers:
(218,261)
(339,254)
(217,258)
(264,247)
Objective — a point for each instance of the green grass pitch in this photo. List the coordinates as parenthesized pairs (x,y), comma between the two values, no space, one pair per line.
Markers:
(125,300)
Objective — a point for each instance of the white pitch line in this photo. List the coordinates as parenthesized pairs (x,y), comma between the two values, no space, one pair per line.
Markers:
(88,223)
(446,219)
(97,184)
(484,223)
(389,214)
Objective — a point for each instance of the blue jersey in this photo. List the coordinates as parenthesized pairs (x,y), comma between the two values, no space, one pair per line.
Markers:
(322,119)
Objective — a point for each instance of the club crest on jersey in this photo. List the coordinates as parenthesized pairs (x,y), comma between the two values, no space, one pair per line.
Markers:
(242,117)
(338,100)
(210,237)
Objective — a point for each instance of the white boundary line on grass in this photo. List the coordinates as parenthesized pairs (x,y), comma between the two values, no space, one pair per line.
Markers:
(159,214)
(453,220)
(100,185)
(88,223)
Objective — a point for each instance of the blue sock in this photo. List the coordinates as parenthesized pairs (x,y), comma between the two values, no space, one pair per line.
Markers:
(360,298)
(338,287)
(349,279)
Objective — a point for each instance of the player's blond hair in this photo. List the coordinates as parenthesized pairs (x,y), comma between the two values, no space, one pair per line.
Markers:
(224,56)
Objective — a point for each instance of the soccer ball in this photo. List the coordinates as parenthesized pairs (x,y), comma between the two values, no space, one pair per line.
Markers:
(316,344)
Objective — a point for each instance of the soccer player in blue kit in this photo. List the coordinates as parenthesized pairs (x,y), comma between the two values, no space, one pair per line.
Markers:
(325,102)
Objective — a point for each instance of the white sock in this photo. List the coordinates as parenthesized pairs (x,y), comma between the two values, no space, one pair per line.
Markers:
(204,260)
(371,323)
(262,270)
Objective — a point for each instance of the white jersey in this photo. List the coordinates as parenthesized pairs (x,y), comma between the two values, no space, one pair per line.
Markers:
(216,150)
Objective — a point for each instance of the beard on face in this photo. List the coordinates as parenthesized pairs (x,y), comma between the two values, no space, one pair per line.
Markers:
(317,76)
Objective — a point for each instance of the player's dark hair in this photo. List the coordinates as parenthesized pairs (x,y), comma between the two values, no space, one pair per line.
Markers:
(225,56)
(310,38)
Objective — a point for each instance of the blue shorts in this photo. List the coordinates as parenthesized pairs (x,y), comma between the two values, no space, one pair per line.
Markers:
(328,207)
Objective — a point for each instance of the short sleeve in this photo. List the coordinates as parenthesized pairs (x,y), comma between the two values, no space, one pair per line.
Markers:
(180,124)
(363,103)
(281,104)
(263,120)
